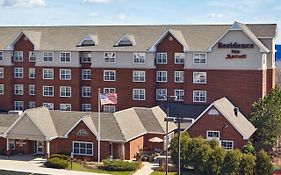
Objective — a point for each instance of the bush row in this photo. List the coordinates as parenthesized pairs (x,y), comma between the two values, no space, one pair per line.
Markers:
(119,165)
(56,162)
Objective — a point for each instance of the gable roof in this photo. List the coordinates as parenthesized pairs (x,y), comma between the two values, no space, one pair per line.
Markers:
(92,37)
(34,38)
(129,37)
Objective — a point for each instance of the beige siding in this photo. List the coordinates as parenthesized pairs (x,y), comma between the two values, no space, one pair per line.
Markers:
(75,60)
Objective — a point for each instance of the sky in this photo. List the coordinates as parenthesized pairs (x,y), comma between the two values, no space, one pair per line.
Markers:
(110,12)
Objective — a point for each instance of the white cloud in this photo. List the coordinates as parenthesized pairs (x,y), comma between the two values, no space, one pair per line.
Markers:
(121,16)
(24,3)
(93,14)
(96,1)
(215,15)
(237,4)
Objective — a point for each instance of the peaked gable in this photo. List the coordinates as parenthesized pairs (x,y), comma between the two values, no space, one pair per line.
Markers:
(126,40)
(33,37)
(89,40)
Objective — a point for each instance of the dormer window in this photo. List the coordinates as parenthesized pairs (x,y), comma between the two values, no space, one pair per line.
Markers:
(89,40)
(126,40)
(82,132)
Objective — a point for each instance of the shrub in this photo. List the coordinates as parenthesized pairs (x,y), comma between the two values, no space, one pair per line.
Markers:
(56,162)
(60,156)
(231,162)
(215,161)
(247,164)
(248,148)
(263,164)
(120,165)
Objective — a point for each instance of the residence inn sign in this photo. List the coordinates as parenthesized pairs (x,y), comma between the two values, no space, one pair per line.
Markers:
(235,52)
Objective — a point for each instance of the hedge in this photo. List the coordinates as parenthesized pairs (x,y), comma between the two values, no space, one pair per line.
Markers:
(56,162)
(119,165)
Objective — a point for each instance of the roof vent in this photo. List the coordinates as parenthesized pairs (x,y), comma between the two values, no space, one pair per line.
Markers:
(236,111)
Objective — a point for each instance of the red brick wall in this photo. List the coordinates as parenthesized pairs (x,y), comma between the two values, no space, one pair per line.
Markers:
(271,79)
(3,145)
(150,145)
(132,147)
(215,123)
(6,102)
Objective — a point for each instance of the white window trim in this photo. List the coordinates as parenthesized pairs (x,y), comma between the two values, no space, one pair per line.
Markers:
(65,70)
(15,57)
(52,57)
(193,80)
(199,63)
(110,53)
(69,57)
(138,99)
(3,56)
(2,93)
(88,96)
(139,62)
(30,90)
(109,70)
(65,104)
(2,70)
(143,76)
(32,102)
(83,70)
(49,104)
(19,85)
(227,141)
(210,138)
(176,59)
(158,53)
(29,56)
(86,104)
(48,95)
(30,74)
(164,96)
(199,91)
(109,89)
(18,68)
(109,106)
(177,99)
(161,81)
(66,96)
(79,147)
(176,76)
(18,101)
(49,78)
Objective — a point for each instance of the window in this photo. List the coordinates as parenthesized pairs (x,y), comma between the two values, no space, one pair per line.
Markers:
(199,58)
(199,77)
(18,72)
(18,89)
(179,58)
(199,96)
(18,105)
(82,132)
(32,104)
(139,58)
(86,57)
(65,91)
(161,76)
(213,135)
(138,76)
(65,107)
(31,73)
(32,57)
(12,144)
(2,72)
(48,74)
(1,56)
(82,148)
(87,41)
(179,93)
(50,106)
(109,75)
(86,74)
(138,94)
(179,76)
(109,90)
(48,91)
(124,41)
(48,56)
(86,107)
(65,74)
(109,108)
(31,89)
(109,57)
(1,89)
(86,91)
(18,56)
(227,144)
(161,58)
(161,94)
(65,57)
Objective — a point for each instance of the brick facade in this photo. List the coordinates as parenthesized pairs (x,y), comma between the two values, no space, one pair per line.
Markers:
(132,147)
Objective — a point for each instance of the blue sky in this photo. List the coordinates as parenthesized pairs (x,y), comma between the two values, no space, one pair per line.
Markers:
(75,12)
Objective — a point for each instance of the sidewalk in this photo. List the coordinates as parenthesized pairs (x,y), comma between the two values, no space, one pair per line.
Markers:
(146,169)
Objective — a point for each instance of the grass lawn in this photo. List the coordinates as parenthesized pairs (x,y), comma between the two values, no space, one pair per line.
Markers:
(79,167)
(170,173)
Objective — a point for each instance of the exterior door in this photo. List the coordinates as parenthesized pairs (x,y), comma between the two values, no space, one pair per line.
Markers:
(38,147)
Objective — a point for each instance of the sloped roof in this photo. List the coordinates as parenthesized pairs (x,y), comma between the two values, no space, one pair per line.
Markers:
(197,37)
(6,120)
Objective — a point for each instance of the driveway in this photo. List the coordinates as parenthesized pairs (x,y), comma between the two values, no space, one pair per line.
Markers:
(31,164)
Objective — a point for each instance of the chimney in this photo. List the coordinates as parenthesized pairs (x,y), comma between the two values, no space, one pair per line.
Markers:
(236,111)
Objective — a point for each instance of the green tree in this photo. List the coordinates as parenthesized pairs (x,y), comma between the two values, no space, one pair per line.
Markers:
(248,148)
(215,161)
(266,117)
(247,164)
(263,164)
(231,162)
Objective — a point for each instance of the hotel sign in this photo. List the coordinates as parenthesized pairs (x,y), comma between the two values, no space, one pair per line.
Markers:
(235,49)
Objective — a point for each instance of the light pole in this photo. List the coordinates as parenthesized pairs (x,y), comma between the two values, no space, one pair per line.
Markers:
(222,128)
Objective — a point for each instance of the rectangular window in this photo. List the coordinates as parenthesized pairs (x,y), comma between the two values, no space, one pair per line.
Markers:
(86,74)
(48,74)
(31,73)
(18,89)
(138,76)
(161,76)
(86,91)
(2,89)
(48,56)
(109,57)
(65,74)
(200,58)
(179,76)
(161,94)
(213,135)
(65,107)
(109,90)
(32,104)
(86,107)
(48,91)
(65,57)
(1,56)
(199,77)
(18,56)
(179,93)
(65,91)
(32,57)
(199,96)
(109,75)
(86,57)
(161,58)
(82,148)
(227,144)
(18,72)
(139,58)
(18,105)
(179,58)
(138,94)
(2,72)
(50,106)
(109,108)
(31,89)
